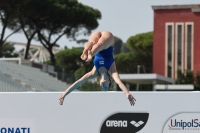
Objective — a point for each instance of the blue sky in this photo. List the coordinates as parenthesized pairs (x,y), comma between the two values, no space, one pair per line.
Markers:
(124,18)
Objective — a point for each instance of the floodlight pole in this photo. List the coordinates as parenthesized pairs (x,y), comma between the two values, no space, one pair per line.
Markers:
(138,71)
(63,74)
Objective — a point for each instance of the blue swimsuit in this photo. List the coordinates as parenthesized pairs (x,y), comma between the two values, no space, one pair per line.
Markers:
(104,58)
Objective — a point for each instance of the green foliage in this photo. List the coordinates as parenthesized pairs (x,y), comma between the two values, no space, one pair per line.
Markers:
(140,47)
(125,63)
(63,16)
(141,43)
(89,86)
(180,77)
(124,49)
(82,41)
(118,45)
(79,73)
(7,17)
(197,81)
(187,78)
(196,87)
(197,78)
(142,87)
(70,59)
(145,87)
(8,50)
(50,19)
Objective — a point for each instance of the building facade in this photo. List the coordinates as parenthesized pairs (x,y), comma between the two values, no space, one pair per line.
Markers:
(176,42)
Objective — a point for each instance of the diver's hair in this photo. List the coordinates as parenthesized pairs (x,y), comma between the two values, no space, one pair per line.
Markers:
(110,84)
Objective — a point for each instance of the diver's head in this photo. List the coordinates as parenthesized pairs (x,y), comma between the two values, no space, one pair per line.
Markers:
(105,82)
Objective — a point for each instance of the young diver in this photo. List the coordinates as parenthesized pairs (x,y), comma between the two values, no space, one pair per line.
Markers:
(100,45)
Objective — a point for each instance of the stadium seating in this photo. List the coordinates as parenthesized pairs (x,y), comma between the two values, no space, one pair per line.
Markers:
(15,77)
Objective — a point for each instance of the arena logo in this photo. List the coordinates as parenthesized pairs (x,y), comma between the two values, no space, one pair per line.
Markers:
(115,123)
(15,130)
(124,122)
(189,122)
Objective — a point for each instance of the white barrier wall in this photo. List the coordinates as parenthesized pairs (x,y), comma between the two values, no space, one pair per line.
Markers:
(86,112)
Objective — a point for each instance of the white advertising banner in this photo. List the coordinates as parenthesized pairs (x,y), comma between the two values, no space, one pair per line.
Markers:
(100,112)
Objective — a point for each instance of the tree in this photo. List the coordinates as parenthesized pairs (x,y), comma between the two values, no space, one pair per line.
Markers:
(124,49)
(80,72)
(82,41)
(197,78)
(187,78)
(197,81)
(7,18)
(136,51)
(125,63)
(8,50)
(90,86)
(118,45)
(180,77)
(23,10)
(63,17)
(70,59)
(141,46)
(141,43)
(60,17)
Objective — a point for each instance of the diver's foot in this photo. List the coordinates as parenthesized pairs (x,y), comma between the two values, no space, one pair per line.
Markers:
(84,56)
(89,57)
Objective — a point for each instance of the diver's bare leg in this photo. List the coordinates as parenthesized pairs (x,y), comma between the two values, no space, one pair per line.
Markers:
(88,46)
(104,42)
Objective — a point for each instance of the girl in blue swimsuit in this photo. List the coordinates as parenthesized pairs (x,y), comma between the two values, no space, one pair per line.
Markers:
(100,45)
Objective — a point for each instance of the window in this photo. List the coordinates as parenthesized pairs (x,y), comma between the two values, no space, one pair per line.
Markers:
(169,50)
(179,48)
(189,45)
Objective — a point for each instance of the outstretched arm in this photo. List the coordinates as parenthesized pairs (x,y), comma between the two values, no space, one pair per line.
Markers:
(117,79)
(77,84)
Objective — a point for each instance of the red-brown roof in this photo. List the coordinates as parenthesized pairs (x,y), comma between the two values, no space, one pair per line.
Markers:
(193,7)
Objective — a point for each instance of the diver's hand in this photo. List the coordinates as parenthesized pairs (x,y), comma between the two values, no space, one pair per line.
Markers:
(131,99)
(61,99)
